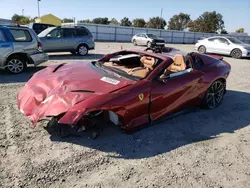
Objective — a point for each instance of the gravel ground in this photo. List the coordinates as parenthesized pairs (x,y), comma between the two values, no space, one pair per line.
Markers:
(204,148)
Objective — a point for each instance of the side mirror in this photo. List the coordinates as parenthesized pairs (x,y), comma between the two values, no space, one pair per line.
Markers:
(48,36)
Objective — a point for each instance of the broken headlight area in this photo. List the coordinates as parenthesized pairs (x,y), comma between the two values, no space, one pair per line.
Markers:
(91,122)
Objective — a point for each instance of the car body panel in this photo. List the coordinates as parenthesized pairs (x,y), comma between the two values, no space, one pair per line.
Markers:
(75,89)
(175,94)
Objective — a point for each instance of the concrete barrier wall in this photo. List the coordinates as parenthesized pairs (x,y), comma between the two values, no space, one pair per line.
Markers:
(114,33)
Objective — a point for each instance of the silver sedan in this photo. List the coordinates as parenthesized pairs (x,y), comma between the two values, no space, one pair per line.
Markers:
(224,46)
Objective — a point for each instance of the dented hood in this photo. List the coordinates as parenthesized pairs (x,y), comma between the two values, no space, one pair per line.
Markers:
(56,89)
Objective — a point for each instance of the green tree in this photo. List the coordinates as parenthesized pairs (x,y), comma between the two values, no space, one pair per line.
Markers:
(100,20)
(156,22)
(179,22)
(241,30)
(19,19)
(139,22)
(208,22)
(67,20)
(125,22)
(223,31)
(86,21)
(114,21)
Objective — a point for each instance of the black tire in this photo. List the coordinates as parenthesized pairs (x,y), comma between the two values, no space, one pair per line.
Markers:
(236,53)
(149,44)
(202,49)
(82,50)
(134,42)
(214,95)
(16,64)
(55,128)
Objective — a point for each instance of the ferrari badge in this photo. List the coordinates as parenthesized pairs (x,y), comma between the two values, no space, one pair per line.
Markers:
(141,96)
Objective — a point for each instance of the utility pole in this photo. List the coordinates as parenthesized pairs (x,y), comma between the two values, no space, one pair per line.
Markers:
(38,8)
(161,17)
(23,12)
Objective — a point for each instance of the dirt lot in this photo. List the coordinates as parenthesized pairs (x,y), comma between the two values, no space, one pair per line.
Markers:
(199,149)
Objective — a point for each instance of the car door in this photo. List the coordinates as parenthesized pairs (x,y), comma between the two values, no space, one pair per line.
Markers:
(176,93)
(5,46)
(222,46)
(54,42)
(139,39)
(210,45)
(69,38)
(144,39)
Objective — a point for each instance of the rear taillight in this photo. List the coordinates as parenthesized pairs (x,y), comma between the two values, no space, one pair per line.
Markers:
(92,38)
(40,46)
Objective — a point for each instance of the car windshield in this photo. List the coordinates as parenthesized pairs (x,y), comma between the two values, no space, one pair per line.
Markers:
(235,41)
(151,35)
(45,32)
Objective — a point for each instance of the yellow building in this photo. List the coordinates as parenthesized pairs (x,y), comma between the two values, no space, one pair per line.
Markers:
(49,19)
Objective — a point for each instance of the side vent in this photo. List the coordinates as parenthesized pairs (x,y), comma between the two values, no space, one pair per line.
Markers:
(58,67)
(82,91)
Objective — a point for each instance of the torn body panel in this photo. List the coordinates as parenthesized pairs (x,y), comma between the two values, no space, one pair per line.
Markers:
(50,93)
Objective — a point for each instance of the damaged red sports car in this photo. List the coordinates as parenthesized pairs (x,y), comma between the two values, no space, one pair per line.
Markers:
(128,88)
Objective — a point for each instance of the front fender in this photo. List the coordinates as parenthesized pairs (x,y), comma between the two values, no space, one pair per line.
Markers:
(100,102)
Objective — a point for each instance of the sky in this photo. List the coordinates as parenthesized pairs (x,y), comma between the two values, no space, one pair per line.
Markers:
(236,13)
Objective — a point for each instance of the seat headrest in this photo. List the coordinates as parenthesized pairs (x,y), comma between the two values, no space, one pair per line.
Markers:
(179,59)
(148,61)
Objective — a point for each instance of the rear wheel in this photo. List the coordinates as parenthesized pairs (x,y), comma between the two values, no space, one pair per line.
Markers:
(82,50)
(236,53)
(202,49)
(214,95)
(16,64)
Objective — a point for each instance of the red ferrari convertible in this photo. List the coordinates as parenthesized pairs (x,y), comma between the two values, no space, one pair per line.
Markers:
(128,88)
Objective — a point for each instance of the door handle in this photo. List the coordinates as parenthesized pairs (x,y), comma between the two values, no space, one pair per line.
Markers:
(5,45)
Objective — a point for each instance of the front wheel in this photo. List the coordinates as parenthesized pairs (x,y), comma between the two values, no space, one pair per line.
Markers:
(149,44)
(236,53)
(214,95)
(134,42)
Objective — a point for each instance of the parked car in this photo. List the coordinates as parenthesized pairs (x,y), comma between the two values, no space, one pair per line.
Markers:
(39,27)
(19,46)
(223,45)
(77,40)
(128,88)
(150,40)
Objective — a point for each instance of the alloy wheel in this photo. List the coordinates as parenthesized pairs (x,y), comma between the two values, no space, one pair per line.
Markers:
(15,66)
(215,94)
(83,50)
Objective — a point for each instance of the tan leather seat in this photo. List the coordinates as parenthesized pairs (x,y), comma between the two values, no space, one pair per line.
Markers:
(177,66)
(148,65)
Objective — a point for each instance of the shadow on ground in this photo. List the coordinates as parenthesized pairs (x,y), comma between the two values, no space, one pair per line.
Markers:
(22,77)
(56,57)
(200,125)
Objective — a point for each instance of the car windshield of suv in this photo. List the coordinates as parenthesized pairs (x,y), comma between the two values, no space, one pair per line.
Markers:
(151,35)
(235,41)
(45,32)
